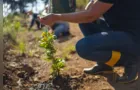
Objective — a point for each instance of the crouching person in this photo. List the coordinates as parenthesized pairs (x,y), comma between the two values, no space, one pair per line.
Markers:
(60,29)
(112,42)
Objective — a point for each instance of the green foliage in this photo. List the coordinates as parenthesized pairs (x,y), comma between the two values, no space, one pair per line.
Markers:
(58,64)
(47,42)
(11,24)
(70,49)
(31,53)
(11,27)
(22,47)
(17,26)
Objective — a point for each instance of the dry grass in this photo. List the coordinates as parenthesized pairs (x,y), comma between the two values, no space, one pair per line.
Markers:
(81,3)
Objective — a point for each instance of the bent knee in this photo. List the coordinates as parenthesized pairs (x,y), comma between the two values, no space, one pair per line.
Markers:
(82,48)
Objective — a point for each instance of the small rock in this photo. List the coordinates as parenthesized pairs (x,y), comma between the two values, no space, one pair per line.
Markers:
(77,58)
(36,55)
(36,79)
(13,64)
(19,82)
(97,77)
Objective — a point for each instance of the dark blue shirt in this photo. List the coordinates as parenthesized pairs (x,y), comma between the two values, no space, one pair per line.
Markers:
(124,15)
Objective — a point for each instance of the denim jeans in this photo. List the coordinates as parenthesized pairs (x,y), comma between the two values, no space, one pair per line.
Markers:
(34,20)
(62,29)
(100,41)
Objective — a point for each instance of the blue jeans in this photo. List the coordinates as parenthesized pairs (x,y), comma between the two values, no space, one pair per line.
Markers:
(103,45)
(34,20)
(62,29)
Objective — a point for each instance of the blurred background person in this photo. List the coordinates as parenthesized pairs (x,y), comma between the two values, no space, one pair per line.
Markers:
(34,19)
(60,28)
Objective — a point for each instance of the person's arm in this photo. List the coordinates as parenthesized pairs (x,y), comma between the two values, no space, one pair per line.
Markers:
(93,13)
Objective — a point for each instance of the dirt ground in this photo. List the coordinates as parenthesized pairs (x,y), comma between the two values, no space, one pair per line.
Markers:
(31,72)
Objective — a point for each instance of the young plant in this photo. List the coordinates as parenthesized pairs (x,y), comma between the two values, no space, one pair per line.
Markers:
(47,42)
(11,28)
(22,47)
(68,51)
(71,49)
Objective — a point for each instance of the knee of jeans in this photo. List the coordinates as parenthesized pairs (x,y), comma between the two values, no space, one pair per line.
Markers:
(80,48)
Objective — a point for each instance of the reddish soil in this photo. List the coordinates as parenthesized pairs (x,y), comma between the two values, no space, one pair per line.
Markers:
(24,72)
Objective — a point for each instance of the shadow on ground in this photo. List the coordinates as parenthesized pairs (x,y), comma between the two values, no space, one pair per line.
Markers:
(131,86)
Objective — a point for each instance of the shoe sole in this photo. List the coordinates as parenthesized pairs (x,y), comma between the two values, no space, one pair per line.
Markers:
(102,72)
(114,74)
(130,81)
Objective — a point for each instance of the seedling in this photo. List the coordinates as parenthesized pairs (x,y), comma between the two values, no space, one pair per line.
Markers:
(47,42)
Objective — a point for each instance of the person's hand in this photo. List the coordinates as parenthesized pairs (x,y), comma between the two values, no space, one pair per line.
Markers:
(50,31)
(48,20)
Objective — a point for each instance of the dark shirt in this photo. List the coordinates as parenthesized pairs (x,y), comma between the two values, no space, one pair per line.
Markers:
(124,15)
